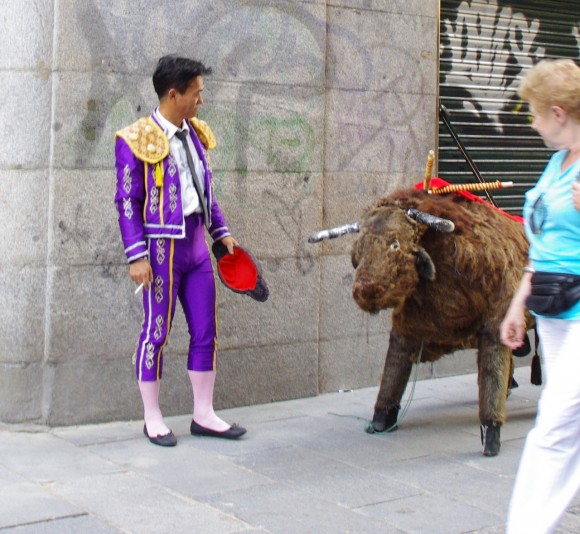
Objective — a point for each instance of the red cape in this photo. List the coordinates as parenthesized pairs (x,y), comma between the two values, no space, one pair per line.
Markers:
(439,182)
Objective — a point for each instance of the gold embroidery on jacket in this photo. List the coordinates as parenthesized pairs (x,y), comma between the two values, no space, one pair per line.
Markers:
(204,133)
(146,140)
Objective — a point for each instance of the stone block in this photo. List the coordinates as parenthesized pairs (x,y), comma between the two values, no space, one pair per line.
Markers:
(340,317)
(24,208)
(307,511)
(269,373)
(347,196)
(90,390)
(421,513)
(289,315)
(265,128)
(465,361)
(422,8)
(459,363)
(271,214)
(93,313)
(29,506)
(22,320)
(42,457)
(85,228)
(26,38)
(99,37)
(351,362)
(132,503)
(387,133)
(373,50)
(19,89)
(21,387)
(88,110)
(358,362)
(274,41)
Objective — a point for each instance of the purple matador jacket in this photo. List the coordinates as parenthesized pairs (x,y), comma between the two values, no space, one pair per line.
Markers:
(148,196)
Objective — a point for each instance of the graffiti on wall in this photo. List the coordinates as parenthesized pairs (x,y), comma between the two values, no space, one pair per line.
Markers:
(487,45)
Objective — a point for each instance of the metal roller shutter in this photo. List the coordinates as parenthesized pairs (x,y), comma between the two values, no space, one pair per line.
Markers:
(485,45)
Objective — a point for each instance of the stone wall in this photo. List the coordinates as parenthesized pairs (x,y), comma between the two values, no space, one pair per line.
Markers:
(319,107)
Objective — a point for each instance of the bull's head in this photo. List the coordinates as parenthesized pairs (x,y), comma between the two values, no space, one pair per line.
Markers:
(387,256)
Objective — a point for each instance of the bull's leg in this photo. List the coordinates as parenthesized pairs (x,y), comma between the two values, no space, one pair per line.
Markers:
(493,364)
(396,374)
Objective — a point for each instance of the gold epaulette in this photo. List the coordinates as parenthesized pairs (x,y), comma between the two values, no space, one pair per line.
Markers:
(146,140)
(204,133)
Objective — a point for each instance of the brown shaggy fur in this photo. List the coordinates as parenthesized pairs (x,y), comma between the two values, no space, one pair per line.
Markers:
(477,270)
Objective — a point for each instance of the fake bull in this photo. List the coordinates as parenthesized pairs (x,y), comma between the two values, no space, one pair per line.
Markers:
(448,268)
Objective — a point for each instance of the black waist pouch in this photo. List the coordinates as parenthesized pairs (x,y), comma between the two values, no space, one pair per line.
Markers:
(553,293)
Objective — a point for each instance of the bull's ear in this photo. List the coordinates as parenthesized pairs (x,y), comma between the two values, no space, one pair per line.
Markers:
(425,265)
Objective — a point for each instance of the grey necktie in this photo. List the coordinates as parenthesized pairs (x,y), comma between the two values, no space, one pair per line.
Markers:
(182,136)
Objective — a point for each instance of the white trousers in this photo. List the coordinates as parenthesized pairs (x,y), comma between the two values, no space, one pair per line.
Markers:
(549,471)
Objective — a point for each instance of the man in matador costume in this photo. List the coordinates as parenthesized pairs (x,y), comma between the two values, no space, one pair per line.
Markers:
(165,200)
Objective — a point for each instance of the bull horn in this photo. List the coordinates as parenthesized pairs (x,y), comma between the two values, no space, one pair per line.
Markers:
(331,233)
(441,225)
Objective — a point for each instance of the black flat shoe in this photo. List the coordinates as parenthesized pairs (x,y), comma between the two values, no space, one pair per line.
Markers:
(234,432)
(169,440)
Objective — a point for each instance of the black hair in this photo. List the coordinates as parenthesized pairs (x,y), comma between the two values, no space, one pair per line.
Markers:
(176,72)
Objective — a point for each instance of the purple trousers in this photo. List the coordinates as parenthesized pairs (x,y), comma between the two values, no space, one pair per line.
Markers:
(181,269)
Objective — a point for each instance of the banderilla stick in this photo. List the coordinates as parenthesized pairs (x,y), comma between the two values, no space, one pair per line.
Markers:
(470,187)
(428,171)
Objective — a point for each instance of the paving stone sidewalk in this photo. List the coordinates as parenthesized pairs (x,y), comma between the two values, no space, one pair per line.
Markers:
(305,466)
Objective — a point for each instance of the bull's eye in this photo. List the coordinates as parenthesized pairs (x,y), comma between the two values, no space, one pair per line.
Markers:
(395,245)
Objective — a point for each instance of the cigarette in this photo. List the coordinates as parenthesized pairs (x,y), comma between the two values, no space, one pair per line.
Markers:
(139,288)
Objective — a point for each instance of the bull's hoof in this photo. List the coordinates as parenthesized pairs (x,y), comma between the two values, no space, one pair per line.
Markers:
(490,438)
(384,420)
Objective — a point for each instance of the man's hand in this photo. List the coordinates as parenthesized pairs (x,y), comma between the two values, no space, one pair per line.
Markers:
(141,273)
(229,243)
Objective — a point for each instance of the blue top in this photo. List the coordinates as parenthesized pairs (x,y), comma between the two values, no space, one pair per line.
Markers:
(553,224)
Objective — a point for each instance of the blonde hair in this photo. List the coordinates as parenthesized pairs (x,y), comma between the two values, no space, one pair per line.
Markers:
(553,82)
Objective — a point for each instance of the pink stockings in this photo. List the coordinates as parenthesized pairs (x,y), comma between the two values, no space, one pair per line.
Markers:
(202,383)
(151,411)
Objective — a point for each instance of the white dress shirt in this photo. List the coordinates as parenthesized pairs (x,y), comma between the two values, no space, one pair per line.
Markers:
(189,196)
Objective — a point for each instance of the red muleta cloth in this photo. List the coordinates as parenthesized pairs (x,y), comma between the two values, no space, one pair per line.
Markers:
(240,272)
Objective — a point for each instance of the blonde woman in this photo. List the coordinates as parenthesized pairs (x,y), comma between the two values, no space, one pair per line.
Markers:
(549,472)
